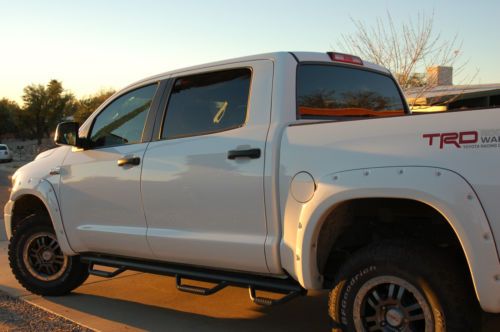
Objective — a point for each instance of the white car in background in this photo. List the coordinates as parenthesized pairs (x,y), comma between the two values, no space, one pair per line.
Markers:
(5,153)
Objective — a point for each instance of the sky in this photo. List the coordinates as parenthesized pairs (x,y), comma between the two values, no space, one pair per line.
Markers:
(91,45)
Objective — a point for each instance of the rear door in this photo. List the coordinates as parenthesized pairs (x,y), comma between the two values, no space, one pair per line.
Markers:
(202,179)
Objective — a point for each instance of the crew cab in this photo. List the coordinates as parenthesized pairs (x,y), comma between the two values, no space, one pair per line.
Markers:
(281,172)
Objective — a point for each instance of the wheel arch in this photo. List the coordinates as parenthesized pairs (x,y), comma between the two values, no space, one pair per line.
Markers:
(357,222)
(442,191)
(40,198)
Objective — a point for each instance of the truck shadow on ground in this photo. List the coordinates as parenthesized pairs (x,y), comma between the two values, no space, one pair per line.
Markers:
(303,314)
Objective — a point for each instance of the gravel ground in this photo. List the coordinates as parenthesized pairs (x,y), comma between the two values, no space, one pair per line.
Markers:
(18,315)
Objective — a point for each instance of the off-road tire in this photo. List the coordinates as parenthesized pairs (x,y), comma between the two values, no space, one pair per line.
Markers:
(71,274)
(435,283)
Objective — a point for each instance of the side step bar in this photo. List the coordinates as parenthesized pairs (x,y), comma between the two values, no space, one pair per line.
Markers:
(287,287)
(197,289)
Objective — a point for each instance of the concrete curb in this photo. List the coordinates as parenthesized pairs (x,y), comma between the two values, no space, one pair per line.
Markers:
(55,313)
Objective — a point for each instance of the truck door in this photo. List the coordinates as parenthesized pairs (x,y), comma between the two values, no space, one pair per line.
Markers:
(100,186)
(202,179)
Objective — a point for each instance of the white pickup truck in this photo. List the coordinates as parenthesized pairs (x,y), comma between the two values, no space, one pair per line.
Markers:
(281,172)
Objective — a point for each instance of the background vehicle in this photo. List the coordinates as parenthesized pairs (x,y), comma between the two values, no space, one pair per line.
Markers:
(281,172)
(5,153)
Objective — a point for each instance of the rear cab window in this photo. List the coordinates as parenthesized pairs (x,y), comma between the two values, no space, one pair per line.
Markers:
(337,92)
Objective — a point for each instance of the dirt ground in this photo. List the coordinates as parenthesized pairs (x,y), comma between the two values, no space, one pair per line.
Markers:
(18,315)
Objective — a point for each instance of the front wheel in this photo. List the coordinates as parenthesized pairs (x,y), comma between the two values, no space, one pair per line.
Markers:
(392,287)
(38,262)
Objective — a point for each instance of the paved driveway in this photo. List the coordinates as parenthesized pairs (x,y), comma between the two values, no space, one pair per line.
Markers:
(138,301)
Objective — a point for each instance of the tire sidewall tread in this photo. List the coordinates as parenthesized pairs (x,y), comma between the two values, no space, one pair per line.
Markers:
(76,272)
(437,276)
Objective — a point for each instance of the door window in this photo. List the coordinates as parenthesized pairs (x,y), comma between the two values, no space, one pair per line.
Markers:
(207,103)
(122,121)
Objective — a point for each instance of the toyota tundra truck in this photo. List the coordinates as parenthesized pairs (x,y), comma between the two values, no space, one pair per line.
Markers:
(281,173)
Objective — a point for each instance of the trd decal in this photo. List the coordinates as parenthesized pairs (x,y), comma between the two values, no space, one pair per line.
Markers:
(456,139)
(488,138)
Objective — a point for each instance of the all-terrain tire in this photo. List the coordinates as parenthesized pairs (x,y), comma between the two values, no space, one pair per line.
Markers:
(403,287)
(38,263)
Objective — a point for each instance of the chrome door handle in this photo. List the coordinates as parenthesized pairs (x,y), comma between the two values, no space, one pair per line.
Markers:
(249,153)
(129,160)
(55,171)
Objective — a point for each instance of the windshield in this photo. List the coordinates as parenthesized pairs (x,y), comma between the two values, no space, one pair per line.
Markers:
(342,93)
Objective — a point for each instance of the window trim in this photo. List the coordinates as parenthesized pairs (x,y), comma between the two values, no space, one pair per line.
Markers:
(305,63)
(168,93)
(152,110)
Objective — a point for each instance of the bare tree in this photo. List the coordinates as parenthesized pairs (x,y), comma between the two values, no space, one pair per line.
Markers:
(407,49)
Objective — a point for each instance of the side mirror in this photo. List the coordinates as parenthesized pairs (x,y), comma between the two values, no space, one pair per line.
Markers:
(67,134)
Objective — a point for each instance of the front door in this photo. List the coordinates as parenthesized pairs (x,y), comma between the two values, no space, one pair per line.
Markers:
(100,186)
(202,181)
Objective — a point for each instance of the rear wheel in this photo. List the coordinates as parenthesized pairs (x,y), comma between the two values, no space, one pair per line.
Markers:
(403,288)
(38,263)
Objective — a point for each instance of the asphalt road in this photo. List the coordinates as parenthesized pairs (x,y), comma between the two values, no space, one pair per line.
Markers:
(4,186)
(4,197)
(4,181)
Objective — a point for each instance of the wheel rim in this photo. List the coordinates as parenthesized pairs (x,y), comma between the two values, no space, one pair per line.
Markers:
(389,303)
(43,257)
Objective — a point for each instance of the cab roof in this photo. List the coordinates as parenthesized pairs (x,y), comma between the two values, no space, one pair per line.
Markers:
(275,57)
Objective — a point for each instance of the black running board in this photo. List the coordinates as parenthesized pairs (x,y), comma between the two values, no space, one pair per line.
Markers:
(287,287)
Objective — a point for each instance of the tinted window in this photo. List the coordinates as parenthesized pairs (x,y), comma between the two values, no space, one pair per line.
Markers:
(122,121)
(207,103)
(2,148)
(335,92)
